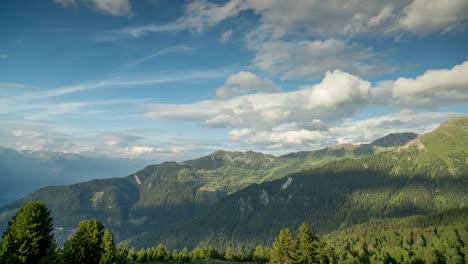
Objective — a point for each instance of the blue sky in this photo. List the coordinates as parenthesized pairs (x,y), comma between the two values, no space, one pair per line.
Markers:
(165,80)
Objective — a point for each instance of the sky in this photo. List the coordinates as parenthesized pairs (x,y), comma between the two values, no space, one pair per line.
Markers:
(174,80)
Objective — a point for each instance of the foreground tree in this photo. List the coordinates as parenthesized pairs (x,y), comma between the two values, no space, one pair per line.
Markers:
(306,246)
(109,250)
(85,246)
(261,254)
(28,237)
(283,250)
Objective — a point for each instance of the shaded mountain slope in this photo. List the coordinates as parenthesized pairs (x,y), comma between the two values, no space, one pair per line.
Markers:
(413,179)
(162,195)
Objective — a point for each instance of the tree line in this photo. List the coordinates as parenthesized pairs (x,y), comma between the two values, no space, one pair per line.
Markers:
(29,239)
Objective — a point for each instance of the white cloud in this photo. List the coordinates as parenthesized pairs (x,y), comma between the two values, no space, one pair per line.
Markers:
(285,139)
(338,95)
(321,114)
(174,49)
(111,7)
(225,36)
(116,82)
(325,19)
(307,59)
(199,15)
(434,88)
(425,16)
(243,83)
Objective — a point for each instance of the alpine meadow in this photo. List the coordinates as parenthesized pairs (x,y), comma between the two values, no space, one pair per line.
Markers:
(233,131)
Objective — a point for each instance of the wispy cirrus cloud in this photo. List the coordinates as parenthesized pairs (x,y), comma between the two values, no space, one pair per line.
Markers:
(110,7)
(173,49)
(121,82)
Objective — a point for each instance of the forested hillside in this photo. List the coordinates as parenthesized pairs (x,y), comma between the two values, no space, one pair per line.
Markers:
(232,197)
(415,179)
(162,195)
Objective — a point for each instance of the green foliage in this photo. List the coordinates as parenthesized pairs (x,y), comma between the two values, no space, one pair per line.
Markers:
(85,246)
(439,238)
(229,254)
(109,251)
(132,254)
(283,250)
(181,256)
(161,253)
(141,256)
(261,254)
(29,237)
(306,246)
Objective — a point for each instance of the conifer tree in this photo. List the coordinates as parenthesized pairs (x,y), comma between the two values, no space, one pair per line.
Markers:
(161,253)
(85,246)
(28,237)
(141,255)
(261,254)
(240,254)
(132,254)
(108,255)
(306,246)
(283,250)
(229,254)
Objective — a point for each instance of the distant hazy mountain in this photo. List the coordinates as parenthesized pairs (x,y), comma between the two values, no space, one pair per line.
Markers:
(24,171)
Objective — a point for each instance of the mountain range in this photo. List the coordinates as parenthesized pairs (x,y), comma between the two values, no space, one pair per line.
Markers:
(25,171)
(246,197)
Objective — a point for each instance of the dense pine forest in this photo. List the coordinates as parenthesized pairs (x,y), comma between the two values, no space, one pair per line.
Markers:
(440,238)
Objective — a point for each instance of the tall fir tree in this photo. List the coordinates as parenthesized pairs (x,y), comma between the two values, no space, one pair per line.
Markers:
(283,250)
(108,248)
(28,237)
(229,254)
(261,254)
(306,246)
(85,246)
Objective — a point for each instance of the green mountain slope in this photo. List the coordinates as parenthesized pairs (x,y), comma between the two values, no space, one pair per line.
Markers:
(162,195)
(416,239)
(413,179)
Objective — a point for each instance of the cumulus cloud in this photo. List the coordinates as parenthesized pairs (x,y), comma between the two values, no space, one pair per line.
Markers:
(307,59)
(243,83)
(111,7)
(291,138)
(434,88)
(322,114)
(339,95)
